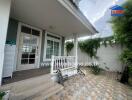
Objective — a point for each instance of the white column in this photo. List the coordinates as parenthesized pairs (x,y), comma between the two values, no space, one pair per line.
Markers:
(52,64)
(4,18)
(76,49)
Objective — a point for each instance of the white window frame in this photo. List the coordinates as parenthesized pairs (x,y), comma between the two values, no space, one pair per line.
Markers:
(52,39)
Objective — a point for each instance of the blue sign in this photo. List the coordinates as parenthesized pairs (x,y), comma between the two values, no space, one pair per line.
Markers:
(117,11)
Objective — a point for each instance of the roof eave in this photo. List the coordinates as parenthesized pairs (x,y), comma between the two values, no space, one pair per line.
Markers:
(78,14)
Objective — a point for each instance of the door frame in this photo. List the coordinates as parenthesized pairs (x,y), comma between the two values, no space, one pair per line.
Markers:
(18,41)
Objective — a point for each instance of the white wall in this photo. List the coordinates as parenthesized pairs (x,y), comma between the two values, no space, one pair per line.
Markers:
(108,57)
(4,17)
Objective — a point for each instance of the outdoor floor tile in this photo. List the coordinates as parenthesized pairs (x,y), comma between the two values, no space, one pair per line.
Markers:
(94,87)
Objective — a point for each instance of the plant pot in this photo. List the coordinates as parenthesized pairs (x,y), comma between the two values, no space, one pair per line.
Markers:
(6,96)
(130,81)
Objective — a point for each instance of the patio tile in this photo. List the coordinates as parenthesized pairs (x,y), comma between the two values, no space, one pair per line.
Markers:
(91,87)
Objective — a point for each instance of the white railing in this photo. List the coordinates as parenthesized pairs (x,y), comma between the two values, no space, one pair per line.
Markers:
(62,62)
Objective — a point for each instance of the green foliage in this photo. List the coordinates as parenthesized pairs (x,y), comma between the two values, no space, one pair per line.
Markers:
(1,95)
(107,41)
(95,69)
(90,46)
(69,46)
(122,27)
(126,56)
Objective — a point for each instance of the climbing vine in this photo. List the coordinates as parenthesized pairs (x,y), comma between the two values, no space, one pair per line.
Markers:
(69,46)
(90,46)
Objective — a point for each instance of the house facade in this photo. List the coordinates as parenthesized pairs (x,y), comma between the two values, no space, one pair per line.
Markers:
(34,30)
(34,47)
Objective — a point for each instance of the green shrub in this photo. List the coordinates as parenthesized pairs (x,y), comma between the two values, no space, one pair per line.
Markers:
(1,95)
(95,69)
(69,46)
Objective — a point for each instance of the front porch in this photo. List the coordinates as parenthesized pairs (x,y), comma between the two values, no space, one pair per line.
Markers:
(89,87)
(28,40)
(36,88)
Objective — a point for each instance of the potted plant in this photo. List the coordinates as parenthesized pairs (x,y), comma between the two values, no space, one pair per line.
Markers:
(4,95)
(95,69)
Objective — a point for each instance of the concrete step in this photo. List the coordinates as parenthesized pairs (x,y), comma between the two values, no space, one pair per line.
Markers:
(44,91)
(31,83)
(46,94)
(38,87)
(34,81)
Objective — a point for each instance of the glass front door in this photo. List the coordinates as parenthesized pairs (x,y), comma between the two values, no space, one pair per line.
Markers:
(28,50)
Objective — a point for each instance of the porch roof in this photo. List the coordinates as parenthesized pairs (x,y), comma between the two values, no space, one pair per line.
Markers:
(56,16)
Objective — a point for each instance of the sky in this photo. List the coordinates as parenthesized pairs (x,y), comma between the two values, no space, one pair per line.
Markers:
(98,13)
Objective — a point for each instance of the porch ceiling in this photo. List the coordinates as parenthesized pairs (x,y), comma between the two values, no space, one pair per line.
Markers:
(50,15)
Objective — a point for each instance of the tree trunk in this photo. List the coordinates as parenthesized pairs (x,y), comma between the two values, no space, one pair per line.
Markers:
(125,76)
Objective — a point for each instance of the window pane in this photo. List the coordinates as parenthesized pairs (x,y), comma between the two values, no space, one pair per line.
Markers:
(33,41)
(25,55)
(31,61)
(26,30)
(33,50)
(56,48)
(24,61)
(27,49)
(26,39)
(35,32)
(49,49)
(32,56)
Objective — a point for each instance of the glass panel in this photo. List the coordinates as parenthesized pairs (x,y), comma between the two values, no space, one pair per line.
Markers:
(32,56)
(33,41)
(31,61)
(24,61)
(26,39)
(27,49)
(49,50)
(26,30)
(35,32)
(56,48)
(33,50)
(25,55)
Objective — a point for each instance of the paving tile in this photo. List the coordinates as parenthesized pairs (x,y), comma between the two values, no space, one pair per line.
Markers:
(92,87)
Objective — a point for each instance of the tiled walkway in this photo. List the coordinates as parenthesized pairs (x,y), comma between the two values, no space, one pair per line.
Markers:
(91,87)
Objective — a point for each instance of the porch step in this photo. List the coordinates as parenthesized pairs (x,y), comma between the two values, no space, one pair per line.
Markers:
(37,88)
(30,83)
(45,94)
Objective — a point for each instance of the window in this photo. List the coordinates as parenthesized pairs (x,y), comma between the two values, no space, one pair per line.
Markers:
(52,46)
(49,49)
(28,30)
(52,49)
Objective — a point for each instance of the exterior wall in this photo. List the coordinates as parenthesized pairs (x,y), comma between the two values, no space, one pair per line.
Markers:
(12,39)
(12,32)
(4,18)
(108,57)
